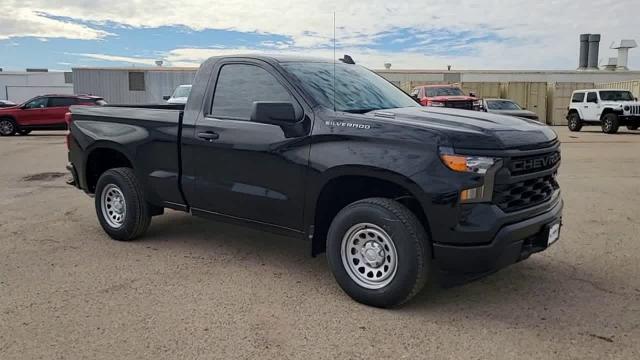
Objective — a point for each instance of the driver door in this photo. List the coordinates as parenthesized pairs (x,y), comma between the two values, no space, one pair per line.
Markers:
(34,112)
(246,170)
(591,109)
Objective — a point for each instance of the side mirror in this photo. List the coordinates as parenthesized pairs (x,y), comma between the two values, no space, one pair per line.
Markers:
(281,114)
(166,97)
(273,112)
(472,94)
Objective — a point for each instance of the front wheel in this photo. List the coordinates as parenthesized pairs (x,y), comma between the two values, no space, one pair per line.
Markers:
(7,127)
(575,123)
(610,123)
(122,210)
(378,252)
(632,127)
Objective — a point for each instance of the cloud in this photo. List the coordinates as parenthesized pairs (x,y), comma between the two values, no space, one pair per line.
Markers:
(118,59)
(468,34)
(21,22)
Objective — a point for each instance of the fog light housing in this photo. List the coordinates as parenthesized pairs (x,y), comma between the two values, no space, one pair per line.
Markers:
(472,195)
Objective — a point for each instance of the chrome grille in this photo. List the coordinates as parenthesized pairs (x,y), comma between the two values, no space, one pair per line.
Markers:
(634,109)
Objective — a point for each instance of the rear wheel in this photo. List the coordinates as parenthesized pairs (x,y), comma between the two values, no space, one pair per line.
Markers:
(610,123)
(575,123)
(632,127)
(7,127)
(378,252)
(122,210)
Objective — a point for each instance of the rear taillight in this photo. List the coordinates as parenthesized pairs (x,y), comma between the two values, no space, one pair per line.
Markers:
(67,120)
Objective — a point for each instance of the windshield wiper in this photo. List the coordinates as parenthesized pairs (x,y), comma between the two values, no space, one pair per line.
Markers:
(360,111)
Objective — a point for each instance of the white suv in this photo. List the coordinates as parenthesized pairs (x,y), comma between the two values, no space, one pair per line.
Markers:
(608,108)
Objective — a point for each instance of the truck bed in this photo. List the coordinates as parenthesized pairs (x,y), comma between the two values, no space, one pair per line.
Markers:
(147,134)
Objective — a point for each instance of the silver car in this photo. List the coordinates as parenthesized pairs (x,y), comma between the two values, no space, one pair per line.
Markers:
(507,107)
(180,95)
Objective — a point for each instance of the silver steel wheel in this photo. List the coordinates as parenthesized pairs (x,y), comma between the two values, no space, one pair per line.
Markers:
(113,205)
(6,127)
(369,256)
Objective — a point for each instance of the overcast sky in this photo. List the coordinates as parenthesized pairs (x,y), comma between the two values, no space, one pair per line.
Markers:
(426,34)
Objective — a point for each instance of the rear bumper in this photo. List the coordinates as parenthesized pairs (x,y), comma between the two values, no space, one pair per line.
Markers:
(512,243)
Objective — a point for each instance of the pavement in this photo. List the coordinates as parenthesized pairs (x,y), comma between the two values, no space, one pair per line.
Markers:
(196,289)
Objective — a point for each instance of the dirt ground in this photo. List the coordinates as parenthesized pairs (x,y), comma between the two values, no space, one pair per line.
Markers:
(198,289)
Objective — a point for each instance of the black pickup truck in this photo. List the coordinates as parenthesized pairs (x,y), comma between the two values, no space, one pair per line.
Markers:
(333,154)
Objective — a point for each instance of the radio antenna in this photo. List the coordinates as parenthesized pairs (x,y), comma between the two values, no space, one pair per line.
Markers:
(334,61)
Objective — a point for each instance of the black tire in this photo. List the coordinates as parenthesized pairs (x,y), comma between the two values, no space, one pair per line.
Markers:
(137,212)
(632,127)
(410,241)
(23,132)
(575,123)
(7,127)
(610,123)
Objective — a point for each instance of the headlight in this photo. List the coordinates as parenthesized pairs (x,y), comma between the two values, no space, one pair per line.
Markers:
(466,163)
(477,103)
(482,165)
(627,108)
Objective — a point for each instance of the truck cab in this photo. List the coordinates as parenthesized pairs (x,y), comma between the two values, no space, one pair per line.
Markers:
(609,108)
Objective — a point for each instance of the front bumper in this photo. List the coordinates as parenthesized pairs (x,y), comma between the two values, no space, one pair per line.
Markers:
(512,243)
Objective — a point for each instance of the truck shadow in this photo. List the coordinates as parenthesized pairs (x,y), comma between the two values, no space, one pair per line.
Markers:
(539,292)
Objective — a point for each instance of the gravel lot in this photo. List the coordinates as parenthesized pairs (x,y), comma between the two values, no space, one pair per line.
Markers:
(198,289)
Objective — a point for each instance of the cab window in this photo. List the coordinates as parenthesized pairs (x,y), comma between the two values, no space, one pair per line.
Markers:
(592,97)
(240,85)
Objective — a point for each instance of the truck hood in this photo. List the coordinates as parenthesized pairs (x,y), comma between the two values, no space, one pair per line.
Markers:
(467,129)
(451,98)
(9,108)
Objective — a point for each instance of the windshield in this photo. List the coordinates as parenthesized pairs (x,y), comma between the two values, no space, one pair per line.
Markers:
(181,91)
(444,91)
(616,96)
(502,105)
(357,89)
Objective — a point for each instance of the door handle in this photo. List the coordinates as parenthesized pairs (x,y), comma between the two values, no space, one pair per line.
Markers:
(208,135)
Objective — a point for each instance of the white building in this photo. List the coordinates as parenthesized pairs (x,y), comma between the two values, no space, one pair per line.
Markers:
(18,86)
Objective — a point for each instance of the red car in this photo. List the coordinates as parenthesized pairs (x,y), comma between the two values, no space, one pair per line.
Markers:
(449,96)
(41,113)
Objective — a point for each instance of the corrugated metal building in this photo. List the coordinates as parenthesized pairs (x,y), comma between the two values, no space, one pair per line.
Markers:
(19,86)
(544,92)
(632,85)
(403,78)
(131,85)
